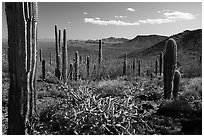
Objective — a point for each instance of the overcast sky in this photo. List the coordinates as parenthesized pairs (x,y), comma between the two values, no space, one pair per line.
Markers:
(119,19)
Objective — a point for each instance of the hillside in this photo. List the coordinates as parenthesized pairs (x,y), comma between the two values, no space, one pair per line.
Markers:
(188,41)
(142,41)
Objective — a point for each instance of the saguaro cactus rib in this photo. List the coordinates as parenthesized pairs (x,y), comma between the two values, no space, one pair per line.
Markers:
(177,77)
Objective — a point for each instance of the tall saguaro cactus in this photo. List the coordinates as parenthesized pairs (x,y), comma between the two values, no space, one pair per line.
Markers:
(170,59)
(43,69)
(59,41)
(139,69)
(22,57)
(134,66)
(88,66)
(50,59)
(156,67)
(76,66)
(125,65)
(161,62)
(64,57)
(40,55)
(99,58)
(58,58)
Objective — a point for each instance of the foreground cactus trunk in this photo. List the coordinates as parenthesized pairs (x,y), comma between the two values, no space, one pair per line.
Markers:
(170,59)
(22,58)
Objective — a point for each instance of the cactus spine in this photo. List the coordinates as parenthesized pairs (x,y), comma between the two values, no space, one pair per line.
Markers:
(170,59)
(177,77)
(76,73)
(161,62)
(43,69)
(139,63)
(156,66)
(64,57)
(125,65)
(22,58)
(88,66)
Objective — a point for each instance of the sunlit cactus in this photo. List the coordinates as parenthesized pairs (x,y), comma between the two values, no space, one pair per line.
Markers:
(177,77)
(170,59)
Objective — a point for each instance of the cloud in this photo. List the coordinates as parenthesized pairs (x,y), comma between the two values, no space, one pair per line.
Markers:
(120,16)
(130,9)
(177,15)
(168,17)
(85,13)
(110,22)
(156,21)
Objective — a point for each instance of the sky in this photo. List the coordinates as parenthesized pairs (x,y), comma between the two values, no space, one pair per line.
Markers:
(97,20)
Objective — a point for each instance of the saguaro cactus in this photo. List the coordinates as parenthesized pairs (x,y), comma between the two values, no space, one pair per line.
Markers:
(22,58)
(59,41)
(170,59)
(177,77)
(139,63)
(125,65)
(161,62)
(43,69)
(156,66)
(58,58)
(40,55)
(99,57)
(50,59)
(64,57)
(71,71)
(76,66)
(133,66)
(88,66)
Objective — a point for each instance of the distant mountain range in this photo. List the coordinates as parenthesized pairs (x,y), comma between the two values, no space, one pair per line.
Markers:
(187,40)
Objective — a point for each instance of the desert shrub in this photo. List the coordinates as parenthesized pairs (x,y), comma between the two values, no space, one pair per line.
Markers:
(193,90)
